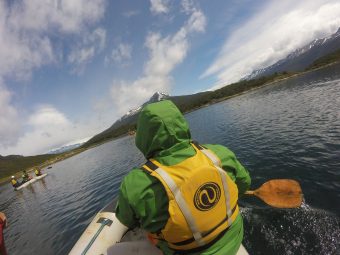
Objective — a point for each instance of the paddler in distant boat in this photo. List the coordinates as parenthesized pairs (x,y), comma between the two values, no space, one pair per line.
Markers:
(14,182)
(25,176)
(37,171)
(186,194)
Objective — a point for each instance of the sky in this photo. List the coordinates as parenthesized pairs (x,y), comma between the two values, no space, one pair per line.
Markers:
(70,68)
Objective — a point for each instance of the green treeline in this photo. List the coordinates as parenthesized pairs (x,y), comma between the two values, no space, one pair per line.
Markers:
(14,163)
(109,135)
(186,104)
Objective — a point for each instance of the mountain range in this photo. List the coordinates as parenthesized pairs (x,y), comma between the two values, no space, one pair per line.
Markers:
(65,148)
(126,121)
(298,60)
(301,58)
(158,96)
(318,53)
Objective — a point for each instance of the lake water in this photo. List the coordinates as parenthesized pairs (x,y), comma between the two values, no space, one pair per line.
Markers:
(287,130)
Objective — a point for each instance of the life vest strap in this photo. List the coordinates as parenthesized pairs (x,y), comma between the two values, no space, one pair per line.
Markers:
(216,161)
(150,167)
(182,205)
(223,175)
(197,236)
(201,248)
(188,241)
(198,146)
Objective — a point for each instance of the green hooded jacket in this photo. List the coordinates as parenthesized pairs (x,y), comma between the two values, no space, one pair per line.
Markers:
(163,134)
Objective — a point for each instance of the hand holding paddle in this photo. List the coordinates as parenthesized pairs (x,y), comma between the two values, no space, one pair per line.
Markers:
(280,193)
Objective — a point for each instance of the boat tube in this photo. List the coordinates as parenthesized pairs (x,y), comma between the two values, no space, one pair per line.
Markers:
(34,179)
(107,236)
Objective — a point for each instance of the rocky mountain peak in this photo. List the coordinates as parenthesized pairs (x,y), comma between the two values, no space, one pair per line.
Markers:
(301,58)
(156,97)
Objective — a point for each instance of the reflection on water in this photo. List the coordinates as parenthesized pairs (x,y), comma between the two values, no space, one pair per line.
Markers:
(288,130)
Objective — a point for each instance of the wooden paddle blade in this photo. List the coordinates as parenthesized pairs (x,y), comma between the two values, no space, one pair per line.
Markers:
(280,193)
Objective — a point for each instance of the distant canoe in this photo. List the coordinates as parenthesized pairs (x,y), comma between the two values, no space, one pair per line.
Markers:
(30,181)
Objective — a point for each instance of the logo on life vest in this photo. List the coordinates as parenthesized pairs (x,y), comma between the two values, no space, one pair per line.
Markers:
(207,196)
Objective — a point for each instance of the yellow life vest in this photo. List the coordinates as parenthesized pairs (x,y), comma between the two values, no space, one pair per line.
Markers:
(14,182)
(37,172)
(202,200)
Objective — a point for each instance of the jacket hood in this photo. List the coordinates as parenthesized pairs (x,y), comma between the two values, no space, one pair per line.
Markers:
(161,129)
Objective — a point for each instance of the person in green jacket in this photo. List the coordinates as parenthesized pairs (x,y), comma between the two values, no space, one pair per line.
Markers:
(163,136)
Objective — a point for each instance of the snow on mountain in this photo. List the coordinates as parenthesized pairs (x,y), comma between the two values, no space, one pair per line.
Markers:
(127,120)
(301,58)
(69,146)
(158,96)
(65,148)
(131,112)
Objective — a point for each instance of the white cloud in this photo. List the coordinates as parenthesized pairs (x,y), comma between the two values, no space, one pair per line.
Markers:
(9,122)
(47,128)
(165,53)
(270,35)
(86,49)
(159,6)
(188,6)
(121,54)
(47,116)
(26,44)
(70,16)
(26,28)
(128,95)
(20,53)
(197,22)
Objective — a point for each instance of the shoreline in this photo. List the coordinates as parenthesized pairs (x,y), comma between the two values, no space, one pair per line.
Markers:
(259,87)
(50,162)
(74,152)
